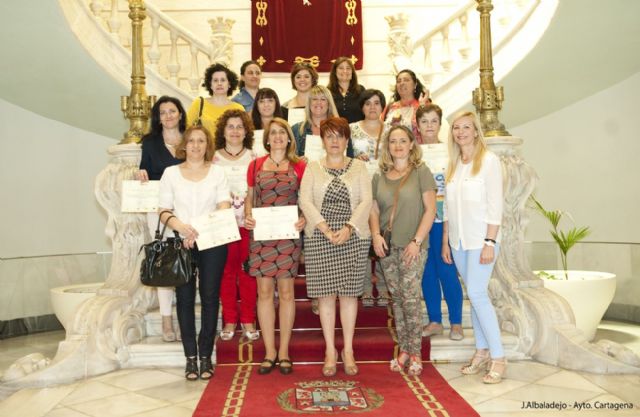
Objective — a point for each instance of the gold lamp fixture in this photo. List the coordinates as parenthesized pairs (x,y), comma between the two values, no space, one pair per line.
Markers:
(488,98)
(136,106)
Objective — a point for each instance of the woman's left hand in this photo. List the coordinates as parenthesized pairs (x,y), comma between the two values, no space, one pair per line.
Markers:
(189,243)
(300,224)
(411,253)
(341,236)
(487,254)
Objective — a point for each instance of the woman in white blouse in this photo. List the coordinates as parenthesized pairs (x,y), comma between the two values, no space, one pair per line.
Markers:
(474,204)
(191,189)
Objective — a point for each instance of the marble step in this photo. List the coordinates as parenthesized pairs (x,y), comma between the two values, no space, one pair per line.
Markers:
(445,349)
(153,319)
(152,351)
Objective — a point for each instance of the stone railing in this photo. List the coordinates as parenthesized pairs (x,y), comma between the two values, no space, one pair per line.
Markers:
(172,50)
(449,53)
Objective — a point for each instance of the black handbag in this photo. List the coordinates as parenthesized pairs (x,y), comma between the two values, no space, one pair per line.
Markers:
(167,263)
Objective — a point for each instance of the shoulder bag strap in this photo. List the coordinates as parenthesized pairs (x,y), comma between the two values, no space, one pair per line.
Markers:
(396,195)
(375,153)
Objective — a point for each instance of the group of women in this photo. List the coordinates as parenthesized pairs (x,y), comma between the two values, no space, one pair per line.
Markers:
(425,225)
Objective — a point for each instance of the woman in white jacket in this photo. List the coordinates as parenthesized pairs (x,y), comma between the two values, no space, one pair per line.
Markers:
(474,203)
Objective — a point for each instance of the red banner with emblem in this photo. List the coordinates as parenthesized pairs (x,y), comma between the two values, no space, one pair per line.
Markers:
(285,32)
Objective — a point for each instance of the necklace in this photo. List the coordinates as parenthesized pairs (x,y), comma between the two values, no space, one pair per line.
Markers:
(277,164)
(233,154)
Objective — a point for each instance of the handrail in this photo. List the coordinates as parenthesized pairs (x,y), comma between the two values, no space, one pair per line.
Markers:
(455,16)
(158,19)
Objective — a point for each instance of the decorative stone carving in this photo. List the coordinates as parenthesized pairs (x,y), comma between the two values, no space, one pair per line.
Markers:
(542,320)
(400,49)
(221,40)
(104,326)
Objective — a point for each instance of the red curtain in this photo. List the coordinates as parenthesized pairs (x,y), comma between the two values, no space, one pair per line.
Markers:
(284,32)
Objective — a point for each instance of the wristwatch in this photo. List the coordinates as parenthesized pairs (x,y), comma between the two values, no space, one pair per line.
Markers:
(417,241)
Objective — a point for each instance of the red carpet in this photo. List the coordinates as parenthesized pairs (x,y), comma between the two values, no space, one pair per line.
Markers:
(239,391)
(373,339)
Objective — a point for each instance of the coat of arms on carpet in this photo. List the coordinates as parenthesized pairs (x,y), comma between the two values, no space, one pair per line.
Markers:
(328,396)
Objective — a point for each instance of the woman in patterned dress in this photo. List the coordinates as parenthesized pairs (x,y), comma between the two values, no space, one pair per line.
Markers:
(335,197)
(274,180)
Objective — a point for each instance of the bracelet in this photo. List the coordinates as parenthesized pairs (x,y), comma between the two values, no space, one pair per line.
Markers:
(486,239)
(349,226)
(490,242)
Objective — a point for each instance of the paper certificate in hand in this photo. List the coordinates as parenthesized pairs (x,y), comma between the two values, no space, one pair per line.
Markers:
(295,116)
(274,223)
(140,197)
(372,167)
(237,179)
(216,228)
(258,146)
(313,149)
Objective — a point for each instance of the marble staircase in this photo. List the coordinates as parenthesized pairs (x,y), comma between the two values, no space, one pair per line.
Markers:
(152,351)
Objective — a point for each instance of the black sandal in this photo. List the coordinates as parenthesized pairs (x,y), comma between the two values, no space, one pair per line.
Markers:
(206,369)
(286,370)
(264,370)
(191,370)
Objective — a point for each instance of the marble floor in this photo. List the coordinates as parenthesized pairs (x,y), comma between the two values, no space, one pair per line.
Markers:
(157,392)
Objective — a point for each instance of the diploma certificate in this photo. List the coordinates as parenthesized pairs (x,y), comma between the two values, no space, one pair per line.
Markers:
(274,223)
(436,156)
(140,197)
(295,116)
(258,146)
(313,149)
(216,228)
(237,179)
(372,167)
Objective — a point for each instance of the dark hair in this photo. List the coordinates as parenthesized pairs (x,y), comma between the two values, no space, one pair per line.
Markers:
(334,85)
(428,108)
(217,67)
(255,113)
(339,125)
(181,151)
(243,68)
(303,66)
(156,126)
(220,141)
(370,92)
(420,88)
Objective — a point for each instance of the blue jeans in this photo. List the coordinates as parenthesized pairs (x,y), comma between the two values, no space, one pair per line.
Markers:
(483,316)
(438,278)
(210,267)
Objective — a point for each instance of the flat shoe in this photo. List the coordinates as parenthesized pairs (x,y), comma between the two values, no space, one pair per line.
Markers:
(432,329)
(286,370)
(264,370)
(456,332)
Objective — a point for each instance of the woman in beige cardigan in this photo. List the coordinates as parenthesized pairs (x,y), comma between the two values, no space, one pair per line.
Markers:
(335,197)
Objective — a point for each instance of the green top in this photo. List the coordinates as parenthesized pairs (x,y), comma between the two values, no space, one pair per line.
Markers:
(410,207)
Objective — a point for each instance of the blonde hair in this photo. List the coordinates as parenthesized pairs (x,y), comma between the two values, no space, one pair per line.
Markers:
(318,90)
(479,149)
(415,154)
(291,141)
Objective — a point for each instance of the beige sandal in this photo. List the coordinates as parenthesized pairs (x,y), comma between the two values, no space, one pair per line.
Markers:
(496,371)
(477,362)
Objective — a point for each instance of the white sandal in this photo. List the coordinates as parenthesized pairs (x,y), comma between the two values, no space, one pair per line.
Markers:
(226,334)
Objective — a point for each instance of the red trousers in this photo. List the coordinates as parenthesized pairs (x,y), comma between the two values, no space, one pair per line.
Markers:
(233,278)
